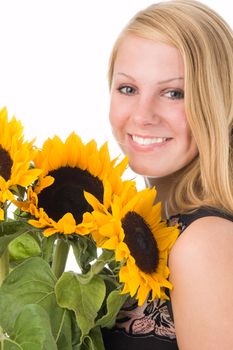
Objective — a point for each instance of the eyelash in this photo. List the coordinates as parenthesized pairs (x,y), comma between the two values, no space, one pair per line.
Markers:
(180,92)
(120,89)
(133,90)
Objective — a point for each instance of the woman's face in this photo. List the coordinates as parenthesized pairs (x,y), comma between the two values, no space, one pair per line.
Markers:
(147,107)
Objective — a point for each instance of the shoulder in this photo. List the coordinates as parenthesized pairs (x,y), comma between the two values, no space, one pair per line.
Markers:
(204,250)
(204,233)
(201,264)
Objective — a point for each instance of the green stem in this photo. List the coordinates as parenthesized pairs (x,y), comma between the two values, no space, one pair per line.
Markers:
(48,248)
(4,265)
(60,257)
(102,260)
(97,267)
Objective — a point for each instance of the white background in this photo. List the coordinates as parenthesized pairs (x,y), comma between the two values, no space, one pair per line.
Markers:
(53,63)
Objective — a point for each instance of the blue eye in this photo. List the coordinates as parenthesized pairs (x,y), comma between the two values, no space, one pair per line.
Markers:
(127,90)
(175,94)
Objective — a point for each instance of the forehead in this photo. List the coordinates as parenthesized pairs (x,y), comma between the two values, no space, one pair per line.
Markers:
(137,56)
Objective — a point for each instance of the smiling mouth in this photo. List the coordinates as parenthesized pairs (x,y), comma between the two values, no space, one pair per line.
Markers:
(146,141)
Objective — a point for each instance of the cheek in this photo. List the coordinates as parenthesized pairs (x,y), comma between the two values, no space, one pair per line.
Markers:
(183,127)
(116,115)
(189,136)
(191,146)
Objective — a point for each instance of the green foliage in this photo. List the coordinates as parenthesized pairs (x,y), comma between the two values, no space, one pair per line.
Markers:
(23,247)
(9,230)
(39,311)
(33,283)
(84,251)
(31,330)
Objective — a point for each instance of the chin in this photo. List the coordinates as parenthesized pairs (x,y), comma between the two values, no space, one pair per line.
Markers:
(144,171)
(147,171)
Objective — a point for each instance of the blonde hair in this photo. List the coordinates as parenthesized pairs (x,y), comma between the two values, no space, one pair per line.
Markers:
(205,42)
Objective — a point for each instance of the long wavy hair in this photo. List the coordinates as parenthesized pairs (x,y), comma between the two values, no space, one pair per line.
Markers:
(205,42)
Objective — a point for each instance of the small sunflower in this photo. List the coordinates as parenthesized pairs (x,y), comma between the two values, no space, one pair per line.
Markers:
(15,159)
(141,241)
(69,168)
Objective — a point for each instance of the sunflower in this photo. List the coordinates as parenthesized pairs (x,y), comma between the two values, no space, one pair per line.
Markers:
(15,159)
(69,168)
(141,241)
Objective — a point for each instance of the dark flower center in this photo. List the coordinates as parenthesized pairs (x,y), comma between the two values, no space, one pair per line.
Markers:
(140,240)
(66,194)
(5,164)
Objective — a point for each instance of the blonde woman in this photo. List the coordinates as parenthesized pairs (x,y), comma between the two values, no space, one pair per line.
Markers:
(171,111)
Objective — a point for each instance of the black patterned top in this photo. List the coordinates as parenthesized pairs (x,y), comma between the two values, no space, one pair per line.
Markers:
(151,326)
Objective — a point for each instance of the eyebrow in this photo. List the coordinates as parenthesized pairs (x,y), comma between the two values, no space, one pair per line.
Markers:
(160,82)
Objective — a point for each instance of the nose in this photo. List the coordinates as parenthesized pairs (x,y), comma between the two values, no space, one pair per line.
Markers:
(146,111)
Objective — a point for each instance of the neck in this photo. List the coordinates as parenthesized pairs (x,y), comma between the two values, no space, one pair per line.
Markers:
(163,187)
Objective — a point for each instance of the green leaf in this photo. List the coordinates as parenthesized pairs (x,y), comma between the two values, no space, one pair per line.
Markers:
(75,330)
(23,247)
(94,340)
(97,267)
(114,302)
(32,282)
(67,332)
(48,246)
(32,329)
(9,230)
(84,299)
(8,344)
(85,251)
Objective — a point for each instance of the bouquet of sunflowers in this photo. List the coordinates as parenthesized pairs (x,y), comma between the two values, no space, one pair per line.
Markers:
(70,195)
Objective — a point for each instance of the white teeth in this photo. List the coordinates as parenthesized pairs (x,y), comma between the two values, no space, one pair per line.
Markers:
(148,141)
